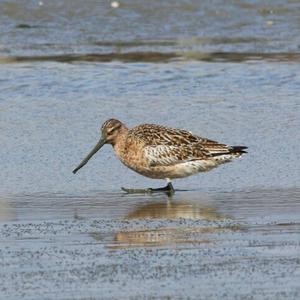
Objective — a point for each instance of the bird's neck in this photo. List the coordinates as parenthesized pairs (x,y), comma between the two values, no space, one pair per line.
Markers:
(120,141)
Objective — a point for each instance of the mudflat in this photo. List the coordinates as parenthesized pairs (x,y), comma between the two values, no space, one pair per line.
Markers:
(194,245)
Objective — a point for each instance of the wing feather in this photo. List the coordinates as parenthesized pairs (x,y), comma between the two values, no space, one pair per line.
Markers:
(164,146)
(163,155)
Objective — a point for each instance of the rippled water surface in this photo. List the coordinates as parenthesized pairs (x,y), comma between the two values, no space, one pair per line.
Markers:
(227,70)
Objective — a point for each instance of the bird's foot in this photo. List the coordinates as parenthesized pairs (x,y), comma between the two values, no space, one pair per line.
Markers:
(168,189)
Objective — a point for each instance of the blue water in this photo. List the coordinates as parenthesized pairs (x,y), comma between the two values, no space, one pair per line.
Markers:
(51,115)
(226,72)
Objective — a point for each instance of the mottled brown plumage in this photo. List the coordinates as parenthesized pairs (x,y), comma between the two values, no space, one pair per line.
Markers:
(161,152)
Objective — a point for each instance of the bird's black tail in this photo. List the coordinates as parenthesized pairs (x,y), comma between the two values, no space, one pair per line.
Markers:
(238,149)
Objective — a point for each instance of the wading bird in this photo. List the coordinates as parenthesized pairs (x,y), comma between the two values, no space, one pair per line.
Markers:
(161,152)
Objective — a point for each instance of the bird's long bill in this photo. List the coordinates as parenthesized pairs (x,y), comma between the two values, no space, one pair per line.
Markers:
(87,158)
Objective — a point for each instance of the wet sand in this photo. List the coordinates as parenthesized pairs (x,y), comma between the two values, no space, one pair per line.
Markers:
(194,245)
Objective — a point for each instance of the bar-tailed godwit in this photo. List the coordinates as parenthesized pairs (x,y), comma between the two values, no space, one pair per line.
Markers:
(161,152)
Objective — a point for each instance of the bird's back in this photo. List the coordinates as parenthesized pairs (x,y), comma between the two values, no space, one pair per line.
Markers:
(169,145)
(156,135)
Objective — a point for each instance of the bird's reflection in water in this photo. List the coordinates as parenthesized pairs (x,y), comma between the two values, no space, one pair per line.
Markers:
(170,223)
(174,210)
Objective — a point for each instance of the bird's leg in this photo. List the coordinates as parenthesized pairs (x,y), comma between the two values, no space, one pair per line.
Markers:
(167,189)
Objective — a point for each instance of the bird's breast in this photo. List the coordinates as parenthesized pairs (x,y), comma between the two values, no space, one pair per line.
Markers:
(131,154)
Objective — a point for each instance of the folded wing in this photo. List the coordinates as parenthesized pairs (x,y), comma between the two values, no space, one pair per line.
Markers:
(164,146)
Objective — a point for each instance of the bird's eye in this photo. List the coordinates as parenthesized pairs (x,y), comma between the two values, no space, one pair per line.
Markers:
(110,131)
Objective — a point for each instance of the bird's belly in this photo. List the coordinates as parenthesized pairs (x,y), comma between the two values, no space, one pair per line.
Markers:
(173,171)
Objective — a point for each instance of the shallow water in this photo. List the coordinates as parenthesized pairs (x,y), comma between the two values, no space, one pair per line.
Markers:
(51,114)
(201,245)
(227,71)
(35,28)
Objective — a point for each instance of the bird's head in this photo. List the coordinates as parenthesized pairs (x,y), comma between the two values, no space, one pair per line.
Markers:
(110,130)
